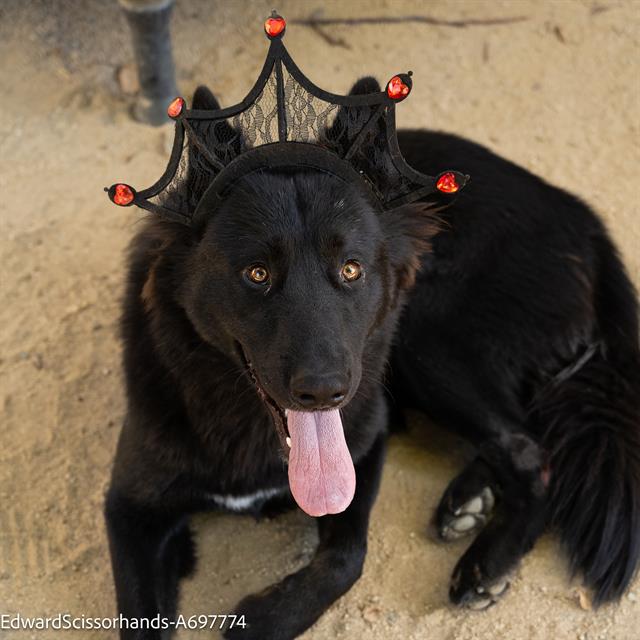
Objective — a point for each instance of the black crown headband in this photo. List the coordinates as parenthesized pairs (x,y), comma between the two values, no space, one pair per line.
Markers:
(287,121)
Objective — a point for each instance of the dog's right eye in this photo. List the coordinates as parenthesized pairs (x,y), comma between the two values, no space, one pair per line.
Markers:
(257,274)
(351,271)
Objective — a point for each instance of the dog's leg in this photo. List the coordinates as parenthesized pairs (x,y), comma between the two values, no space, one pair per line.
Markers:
(509,470)
(149,553)
(482,574)
(177,560)
(286,609)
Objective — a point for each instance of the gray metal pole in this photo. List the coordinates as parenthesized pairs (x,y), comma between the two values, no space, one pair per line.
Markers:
(149,22)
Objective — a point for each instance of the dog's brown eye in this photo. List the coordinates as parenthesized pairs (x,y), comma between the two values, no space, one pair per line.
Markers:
(257,274)
(351,271)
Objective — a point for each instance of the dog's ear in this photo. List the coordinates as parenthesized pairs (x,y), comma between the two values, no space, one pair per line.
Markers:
(368,84)
(222,140)
(204,99)
(220,133)
(409,230)
(341,121)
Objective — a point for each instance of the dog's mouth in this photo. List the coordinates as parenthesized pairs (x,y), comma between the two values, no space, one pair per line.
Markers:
(278,414)
(321,473)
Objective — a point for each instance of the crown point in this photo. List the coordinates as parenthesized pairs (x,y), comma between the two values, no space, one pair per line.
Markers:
(275,25)
(175,107)
(121,194)
(399,87)
(447,183)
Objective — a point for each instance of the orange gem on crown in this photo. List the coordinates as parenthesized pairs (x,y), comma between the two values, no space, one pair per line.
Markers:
(175,108)
(274,25)
(447,183)
(123,195)
(397,88)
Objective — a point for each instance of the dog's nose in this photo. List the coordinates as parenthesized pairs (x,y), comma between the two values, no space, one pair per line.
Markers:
(318,391)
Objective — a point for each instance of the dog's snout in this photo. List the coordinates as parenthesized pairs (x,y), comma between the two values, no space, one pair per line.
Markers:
(318,391)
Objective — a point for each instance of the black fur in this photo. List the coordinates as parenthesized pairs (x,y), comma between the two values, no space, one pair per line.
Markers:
(520,331)
(524,282)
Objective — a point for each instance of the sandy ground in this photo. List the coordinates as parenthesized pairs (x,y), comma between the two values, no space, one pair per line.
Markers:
(556,92)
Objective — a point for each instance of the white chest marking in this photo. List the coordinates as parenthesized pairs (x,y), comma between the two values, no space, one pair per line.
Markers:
(240,503)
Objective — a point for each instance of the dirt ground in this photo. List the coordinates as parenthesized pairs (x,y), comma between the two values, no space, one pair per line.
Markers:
(556,92)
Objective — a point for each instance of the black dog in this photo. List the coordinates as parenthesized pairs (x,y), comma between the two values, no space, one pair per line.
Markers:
(508,316)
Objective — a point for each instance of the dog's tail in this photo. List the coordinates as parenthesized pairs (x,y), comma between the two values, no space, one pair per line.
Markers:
(591,421)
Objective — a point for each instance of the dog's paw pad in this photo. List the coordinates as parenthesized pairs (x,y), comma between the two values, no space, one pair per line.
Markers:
(473,506)
(459,521)
(498,589)
(484,597)
(480,604)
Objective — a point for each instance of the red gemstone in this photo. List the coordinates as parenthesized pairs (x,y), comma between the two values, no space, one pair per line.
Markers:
(447,183)
(274,26)
(123,195)
(174,109)
(397,89)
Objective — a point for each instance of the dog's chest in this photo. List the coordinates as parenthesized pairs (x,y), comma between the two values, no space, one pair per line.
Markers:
(247,501)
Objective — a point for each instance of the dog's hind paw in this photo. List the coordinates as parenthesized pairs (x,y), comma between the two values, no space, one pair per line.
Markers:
(472,589)
(460,516)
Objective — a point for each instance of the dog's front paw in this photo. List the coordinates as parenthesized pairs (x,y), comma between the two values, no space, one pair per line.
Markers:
(268,615)
(290,607)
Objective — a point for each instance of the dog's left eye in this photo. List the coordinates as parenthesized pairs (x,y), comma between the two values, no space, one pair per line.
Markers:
(257,274)
(351,271)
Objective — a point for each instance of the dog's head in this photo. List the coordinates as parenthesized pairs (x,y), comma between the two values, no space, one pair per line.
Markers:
(300,270)
(298,274)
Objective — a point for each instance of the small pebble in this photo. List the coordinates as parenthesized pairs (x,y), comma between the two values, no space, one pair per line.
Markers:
(584,600)
(128,79)
(371,614)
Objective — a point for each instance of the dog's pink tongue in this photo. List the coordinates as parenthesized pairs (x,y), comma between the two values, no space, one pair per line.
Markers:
(321,473)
